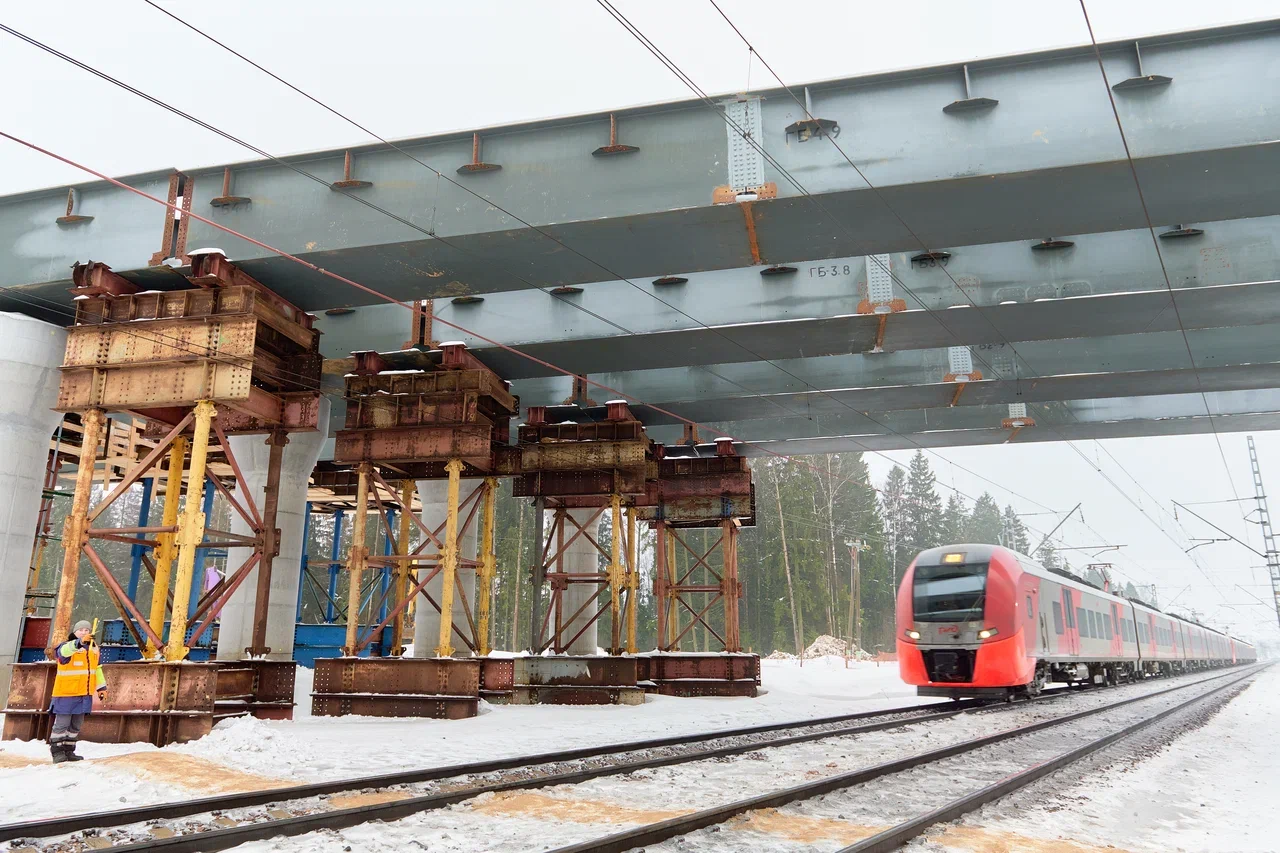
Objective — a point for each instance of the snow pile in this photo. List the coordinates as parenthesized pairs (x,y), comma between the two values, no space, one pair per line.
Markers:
(824,646)
(256,746)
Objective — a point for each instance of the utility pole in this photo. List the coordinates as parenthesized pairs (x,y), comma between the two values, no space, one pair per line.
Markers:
(855,591)
(1268,537)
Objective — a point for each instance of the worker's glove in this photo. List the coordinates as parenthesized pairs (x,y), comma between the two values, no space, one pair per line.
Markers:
(102,694)
(85,643)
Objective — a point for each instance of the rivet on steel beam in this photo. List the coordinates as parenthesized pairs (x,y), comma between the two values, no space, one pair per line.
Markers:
(476,165)
(969,103)
(71,217)
(810,126)
(227,199)
(1049,244)
(668,280)
(347,182)
(1179,231)
(777,270)
(613,147)
(1143,80)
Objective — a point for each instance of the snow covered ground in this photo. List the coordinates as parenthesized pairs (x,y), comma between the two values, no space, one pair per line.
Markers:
(247,754)
(1210,790)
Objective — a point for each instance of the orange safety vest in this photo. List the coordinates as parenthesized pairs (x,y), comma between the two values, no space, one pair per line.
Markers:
(81,675)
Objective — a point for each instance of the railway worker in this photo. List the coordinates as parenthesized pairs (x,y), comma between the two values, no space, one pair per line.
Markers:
(79,677)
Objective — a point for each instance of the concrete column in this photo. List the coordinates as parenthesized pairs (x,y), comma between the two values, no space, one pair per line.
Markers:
(434,495)
(235,632)
(30,351)
(581,558)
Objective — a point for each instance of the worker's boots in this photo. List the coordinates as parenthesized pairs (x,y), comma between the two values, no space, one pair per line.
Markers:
(64,750)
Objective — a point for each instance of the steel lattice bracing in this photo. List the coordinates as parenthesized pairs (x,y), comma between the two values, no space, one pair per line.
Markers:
(1268,535)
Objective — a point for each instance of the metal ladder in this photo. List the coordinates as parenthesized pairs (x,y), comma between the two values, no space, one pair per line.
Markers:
(1268,537)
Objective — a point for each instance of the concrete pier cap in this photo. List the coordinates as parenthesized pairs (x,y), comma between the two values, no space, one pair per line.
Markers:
(31,351)
(235,633)
(434,495)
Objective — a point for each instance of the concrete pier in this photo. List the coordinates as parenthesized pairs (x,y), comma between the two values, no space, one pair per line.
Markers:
(235,633)
(31,352)
(434,495)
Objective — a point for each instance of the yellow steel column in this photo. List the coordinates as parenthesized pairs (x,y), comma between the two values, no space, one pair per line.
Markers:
(488,560)
(357,558)
(165,551)
(449,561)
(615,574)
(633,579)
(75,529)
(402,566)
(190,532)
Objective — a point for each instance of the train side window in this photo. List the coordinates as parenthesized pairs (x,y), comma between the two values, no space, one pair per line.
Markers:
(1082,621)
(1106,625)
(1030,608)
(1057,618)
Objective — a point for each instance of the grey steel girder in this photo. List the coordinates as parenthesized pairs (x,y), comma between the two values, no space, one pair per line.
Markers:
(1132,428)
(1046,415)
(590,324)
(869,376)
(1044,161)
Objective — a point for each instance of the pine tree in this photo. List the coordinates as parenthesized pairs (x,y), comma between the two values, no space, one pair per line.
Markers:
(984,523)
(954,519)
(1014,531)
(894,500)
(924,507)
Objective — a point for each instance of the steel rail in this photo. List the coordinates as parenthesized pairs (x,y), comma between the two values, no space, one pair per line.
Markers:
(46,827)
(655,833)
(890,839)
(222,839)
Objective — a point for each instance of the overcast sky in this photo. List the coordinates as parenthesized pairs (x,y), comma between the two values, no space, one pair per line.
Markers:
(413,68)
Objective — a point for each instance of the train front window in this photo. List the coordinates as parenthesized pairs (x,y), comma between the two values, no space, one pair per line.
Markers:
(950,593)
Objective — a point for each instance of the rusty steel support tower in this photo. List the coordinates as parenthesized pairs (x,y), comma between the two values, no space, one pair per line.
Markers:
(1268,536)
(414,415)
(226,356)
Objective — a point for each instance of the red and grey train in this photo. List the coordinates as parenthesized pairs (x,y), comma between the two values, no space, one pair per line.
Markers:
(981,620)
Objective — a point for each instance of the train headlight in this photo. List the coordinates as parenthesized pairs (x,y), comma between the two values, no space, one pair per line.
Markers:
(988,633)
(914,635)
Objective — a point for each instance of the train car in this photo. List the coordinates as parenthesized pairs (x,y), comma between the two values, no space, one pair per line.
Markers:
(981,620)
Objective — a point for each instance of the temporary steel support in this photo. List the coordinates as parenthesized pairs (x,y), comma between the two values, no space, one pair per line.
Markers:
(335,551)
(75,529)
(673,591)
(165,551)
(190,531)
(276,441)
(488,563)
(357,558)
(552,629)
(136,551)
(411,569)
(449,561)
(402,566)
(1268,536)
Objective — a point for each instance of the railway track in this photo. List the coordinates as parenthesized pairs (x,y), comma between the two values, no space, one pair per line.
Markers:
(301,809)
(911,789)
